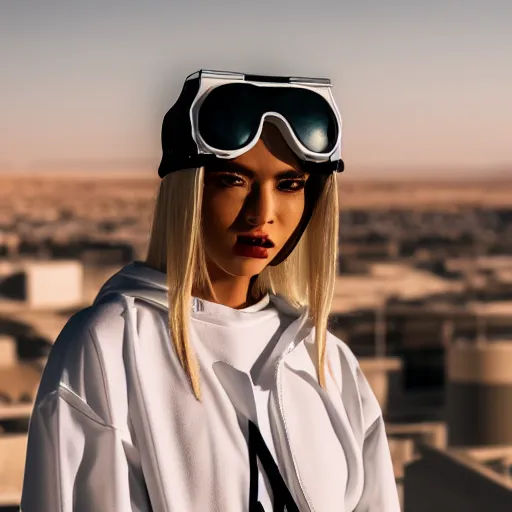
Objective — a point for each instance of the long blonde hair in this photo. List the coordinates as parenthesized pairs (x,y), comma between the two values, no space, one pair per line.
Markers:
(305,279)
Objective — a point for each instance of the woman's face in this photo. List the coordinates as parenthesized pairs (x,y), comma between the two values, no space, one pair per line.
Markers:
(247,194)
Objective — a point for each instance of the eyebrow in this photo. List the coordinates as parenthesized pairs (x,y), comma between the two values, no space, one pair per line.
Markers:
(233,166)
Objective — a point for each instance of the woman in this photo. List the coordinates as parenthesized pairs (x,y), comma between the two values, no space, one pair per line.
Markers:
(204,378)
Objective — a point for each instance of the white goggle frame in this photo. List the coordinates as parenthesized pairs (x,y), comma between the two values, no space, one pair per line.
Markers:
(212,79)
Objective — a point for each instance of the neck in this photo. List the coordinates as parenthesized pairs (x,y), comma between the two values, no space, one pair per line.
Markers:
(234,292)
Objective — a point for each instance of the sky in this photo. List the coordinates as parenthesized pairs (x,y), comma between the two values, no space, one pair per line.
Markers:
(418,84)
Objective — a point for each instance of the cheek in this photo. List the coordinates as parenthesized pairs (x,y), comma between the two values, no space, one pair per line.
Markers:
(218,215)
(293,211)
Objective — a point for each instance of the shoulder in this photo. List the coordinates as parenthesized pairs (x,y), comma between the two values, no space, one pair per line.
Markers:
(341,353)
(81,332)
(87,356)
(352,382)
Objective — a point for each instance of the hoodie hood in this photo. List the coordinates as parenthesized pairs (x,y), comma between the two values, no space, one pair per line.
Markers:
(136,280)
(150,285)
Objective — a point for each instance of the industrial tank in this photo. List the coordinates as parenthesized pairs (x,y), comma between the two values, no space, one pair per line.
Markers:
(479,393)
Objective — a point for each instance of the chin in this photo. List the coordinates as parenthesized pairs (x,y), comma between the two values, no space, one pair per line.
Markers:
(239,266)
(247,267)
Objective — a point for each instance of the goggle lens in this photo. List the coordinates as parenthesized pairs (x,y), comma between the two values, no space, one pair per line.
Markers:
(230,116)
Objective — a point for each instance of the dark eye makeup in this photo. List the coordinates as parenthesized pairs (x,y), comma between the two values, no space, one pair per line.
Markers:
(228,179)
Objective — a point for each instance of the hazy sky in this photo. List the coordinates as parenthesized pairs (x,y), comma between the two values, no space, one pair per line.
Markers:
(417,83)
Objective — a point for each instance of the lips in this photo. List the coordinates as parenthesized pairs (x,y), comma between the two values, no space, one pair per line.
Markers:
(257,241)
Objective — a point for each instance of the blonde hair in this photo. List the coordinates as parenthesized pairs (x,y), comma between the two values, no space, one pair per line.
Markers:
(305,279)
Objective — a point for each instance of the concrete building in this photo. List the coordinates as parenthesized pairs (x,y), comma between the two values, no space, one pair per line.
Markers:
(43,284)
(458,480)
(479,393)
(18,387)
(18,380)
(13,449)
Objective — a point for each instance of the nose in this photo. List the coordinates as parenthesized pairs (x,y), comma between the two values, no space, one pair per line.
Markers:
(260,207)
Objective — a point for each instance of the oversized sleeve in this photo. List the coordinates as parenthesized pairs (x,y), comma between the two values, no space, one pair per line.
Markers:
(76,463)
(76,460)
(380,493)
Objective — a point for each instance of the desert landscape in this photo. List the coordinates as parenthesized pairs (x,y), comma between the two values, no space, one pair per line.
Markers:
(492,190)
(424,266)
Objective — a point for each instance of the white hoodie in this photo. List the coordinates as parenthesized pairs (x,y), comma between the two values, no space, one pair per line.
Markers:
(116,426)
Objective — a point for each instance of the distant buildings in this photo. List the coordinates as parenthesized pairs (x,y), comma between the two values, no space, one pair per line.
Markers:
(414,284)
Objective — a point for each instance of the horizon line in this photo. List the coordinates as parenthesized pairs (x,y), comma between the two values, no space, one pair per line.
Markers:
(152,162)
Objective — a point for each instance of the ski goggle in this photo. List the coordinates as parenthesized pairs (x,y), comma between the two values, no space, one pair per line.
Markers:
(220,115)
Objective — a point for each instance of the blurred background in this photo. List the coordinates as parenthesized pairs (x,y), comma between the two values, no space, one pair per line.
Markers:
(424,288)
